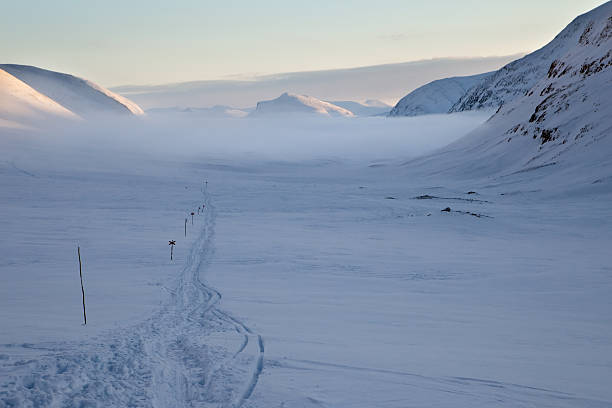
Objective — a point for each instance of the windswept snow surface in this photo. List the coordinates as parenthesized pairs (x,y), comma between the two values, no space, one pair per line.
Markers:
(80,96)
(291,104)
(314,278)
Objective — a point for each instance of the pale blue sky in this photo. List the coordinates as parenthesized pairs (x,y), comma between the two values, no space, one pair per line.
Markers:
(148,42)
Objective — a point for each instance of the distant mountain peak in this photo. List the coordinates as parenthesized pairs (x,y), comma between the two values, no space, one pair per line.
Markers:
(289,104)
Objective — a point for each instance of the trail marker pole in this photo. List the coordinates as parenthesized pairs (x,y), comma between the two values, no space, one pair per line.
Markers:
(185,226)
(82,288)
(192,214)
(172,244)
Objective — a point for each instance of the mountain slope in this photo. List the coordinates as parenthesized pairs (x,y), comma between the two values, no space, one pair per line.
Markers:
(291,104)
(78,95)
(561,125)
(437,96)
(21,105)
(518,77)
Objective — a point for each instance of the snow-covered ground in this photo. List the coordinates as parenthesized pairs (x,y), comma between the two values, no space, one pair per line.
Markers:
(314,277)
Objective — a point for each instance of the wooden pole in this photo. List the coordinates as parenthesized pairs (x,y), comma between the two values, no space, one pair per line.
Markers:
(185,226)
(82,288)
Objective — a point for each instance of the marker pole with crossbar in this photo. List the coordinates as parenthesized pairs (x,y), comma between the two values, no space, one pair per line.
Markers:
(172,244)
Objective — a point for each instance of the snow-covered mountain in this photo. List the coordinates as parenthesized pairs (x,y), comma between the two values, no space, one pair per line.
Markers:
(437,96)
(384,82)
(292,104)
(20,105)
(518,77)
(79,96)
(367,108)
(557,115)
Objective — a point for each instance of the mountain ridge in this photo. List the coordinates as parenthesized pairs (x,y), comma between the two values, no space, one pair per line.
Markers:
(80,96)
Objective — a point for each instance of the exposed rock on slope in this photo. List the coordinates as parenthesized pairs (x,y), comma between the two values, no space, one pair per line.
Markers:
(518,77)
(563,120)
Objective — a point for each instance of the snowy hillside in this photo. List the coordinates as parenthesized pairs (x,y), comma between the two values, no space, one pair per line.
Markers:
(80,96)
(437,96)
(518,77)
(292,104)
(20,105)
(367,108)
(562,122)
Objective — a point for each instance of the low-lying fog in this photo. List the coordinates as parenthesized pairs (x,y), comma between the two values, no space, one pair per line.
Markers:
(297,139)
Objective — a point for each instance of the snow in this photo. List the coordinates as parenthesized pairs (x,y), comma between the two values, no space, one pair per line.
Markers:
(493,89)
(80,96)
(323,270)
(22,106)
(291,104)
(302,284)
(518,77)
(558,125)
(385,82)
(437,96)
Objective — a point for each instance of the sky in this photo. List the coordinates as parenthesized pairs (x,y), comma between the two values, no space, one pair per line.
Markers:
(154,42)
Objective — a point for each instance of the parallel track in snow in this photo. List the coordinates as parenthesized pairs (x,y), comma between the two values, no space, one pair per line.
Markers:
(180,357)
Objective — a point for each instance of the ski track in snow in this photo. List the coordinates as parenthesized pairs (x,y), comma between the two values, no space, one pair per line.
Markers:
(169,360)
